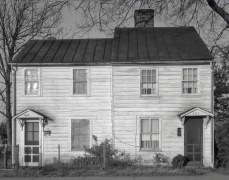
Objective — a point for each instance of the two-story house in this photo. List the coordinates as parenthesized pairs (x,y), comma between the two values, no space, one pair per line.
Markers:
(149,89)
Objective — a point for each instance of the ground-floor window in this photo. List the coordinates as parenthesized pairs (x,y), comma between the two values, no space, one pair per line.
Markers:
(80,134)
(150,134)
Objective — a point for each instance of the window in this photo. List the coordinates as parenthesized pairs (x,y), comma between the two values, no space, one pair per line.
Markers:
(31,133)
(32,82)
(80,134)
(189,81)
(80,81)
(150,134)
(148,82)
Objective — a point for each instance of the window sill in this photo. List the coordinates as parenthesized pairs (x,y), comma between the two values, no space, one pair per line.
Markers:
(191,95)
(150,96)
(80,95)
(150,150)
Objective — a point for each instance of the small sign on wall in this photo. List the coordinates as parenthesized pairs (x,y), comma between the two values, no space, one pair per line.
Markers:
(178,131)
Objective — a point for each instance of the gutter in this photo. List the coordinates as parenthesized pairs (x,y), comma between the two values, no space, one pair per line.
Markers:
(13,73)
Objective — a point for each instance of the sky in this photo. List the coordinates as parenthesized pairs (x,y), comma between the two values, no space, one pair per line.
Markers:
(69,19)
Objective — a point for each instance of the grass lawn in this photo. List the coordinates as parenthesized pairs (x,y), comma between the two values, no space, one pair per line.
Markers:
(60,171)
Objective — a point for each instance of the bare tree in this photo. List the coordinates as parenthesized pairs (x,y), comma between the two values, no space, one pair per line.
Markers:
(208,16)
(20,21)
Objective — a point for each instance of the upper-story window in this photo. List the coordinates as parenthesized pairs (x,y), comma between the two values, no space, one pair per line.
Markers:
(32,82)
(190,81)
(148,82)
(80,81)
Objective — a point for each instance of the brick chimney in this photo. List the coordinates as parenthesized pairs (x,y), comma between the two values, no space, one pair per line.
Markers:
(144,18)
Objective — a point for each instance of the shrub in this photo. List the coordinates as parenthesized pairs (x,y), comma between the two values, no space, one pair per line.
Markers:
(160,159)
(179,161)
(114,157)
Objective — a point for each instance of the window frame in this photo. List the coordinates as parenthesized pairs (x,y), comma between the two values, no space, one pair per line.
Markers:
(198,81)
(90,132)
(88,80)
(39,80)
(157,82)
(25,133)
(160,133)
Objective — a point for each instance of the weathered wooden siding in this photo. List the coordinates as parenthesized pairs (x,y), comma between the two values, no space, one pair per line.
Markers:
(57,102)
(115,99)
(129,106)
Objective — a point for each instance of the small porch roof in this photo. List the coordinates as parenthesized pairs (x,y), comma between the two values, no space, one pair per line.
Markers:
(195,111)
(28,113)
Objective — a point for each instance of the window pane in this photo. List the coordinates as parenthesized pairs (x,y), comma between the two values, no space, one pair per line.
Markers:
(144,73)
(154,72)
(79,75)
(149,78)
(29,136)
(32,87)
(155,125)
(80,133)
(29,126)
(31,74)
(36,126)
(144,78)
(189,74)
(149,73)
(145,128)
(36,136)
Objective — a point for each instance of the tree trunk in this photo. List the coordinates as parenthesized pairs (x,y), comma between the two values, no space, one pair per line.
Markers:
(8,107)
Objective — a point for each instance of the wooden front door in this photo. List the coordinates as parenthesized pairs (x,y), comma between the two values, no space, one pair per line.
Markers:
(193,139)
(31,146)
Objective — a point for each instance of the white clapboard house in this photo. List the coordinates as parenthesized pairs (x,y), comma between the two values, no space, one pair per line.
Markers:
(149,89)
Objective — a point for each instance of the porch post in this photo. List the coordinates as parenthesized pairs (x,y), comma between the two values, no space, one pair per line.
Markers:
(40,143)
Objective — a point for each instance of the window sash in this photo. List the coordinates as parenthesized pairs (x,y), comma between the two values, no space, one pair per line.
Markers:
(150,134)
(80,134)
(80,82)
(32,82)
(189,81)
(32,133)
(148,82)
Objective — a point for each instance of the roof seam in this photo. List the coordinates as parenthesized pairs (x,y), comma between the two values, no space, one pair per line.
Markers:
(46,52)
(147,44)
(57,50)
(29,50)
(76,50)
(166,45)
(66,50)
(93,56)
(37,51)
(104,50)
(85,50)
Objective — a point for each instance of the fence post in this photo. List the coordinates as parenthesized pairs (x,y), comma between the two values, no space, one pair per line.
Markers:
(5,156)
(59,154)
(104,156)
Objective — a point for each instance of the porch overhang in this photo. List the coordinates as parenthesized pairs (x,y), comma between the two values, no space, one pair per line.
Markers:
(196,111)
(29,114)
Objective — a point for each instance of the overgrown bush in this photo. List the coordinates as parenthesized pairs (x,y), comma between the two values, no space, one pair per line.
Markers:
(160,160)
(179,161)
(113,157)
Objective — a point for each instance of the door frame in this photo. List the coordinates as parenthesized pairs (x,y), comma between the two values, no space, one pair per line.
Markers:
(201,139)
(37,120)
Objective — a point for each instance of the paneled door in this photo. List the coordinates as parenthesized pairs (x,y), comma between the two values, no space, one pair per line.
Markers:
(193,139)
(31,146)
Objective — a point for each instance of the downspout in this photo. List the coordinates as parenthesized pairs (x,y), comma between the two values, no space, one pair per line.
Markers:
(212,110)
(14,70)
